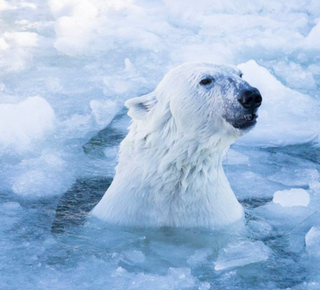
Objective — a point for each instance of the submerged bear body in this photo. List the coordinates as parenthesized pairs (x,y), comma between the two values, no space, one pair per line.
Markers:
(170,164)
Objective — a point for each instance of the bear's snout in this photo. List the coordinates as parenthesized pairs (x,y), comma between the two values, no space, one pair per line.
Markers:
(250,99)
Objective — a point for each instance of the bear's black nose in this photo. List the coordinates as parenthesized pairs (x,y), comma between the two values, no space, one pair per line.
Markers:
(250,98)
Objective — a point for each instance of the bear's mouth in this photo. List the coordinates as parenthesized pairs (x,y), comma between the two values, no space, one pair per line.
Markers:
(245,121)
(249,117)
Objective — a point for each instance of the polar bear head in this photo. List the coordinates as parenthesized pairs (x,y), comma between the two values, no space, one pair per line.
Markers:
(169,170)
(199,100)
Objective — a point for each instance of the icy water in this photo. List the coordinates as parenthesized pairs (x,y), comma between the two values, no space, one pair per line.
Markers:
(66,69)
(49,243)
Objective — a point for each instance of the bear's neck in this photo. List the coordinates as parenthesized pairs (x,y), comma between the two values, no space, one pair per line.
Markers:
(179,183)
(184,161)
(182,184)
(176,158)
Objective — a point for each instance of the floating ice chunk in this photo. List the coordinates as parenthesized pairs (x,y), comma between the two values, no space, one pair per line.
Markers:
(4,5)
(30,183)
(295,75)
(70,7)
(219,7)
(118,4)
(134,257)
(77,125)
(241,254)
(23,123)
(292,197)
(4,44)
(204,286)
(16,49)
(104,111)
(259,228)
(75,24)
(176,278)
(16,59)
(297,113)
(282,218)
(312,240)
(129,67)
(297,235)
(25,39)
(28,5)
(315,186)
(199,257)
(117,85)
(212,53)
(2,85)
(59,7)
(53,84)
(248,178)
(46,175)
(125,82)
(73,36)
(312,40)
(82,25)
(295,176)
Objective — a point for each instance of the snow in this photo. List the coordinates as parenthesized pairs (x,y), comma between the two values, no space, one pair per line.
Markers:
(66,69)
(292,197)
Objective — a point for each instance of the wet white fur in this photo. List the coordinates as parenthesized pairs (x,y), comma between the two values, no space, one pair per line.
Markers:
(170,164)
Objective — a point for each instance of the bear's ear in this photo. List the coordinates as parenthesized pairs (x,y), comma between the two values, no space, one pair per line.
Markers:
(140,106)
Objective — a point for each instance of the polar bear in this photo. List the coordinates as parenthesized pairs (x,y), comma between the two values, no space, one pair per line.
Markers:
(169,170)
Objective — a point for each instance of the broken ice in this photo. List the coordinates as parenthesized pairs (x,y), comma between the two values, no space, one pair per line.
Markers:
(292,197)
(241,254)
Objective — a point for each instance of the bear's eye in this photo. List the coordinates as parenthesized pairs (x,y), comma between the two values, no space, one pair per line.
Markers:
(206,81)
(240,75)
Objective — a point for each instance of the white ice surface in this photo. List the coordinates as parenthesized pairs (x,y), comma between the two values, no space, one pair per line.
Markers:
(104,111)
(24,123)
(41,176)
(286,117)
(312,40)
(292,197)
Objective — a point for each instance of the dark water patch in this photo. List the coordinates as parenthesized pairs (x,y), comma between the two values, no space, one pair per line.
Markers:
(255,202)
(308,151)
(78,201)
(110,136)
